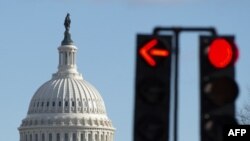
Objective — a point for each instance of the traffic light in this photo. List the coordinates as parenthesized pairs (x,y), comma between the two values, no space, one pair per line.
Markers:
(218,89)
(152,87)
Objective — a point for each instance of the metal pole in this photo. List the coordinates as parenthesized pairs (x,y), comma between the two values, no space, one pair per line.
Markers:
(176,31)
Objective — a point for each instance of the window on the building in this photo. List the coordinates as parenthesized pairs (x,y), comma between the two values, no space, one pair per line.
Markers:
(66,137)
(66,103)
(42,104)
(50,136)
(58,137)
(30,137)
(53,104)
(43,137)
(36,137)
(60,103)
(82,137)
(74,136)
(48,104)
(73,103)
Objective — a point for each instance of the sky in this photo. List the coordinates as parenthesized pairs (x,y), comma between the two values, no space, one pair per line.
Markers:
(105,33)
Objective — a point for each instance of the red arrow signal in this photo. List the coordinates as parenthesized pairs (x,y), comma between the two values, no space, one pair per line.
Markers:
(148,51)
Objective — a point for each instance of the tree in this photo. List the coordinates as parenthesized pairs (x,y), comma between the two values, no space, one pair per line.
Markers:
(244,113)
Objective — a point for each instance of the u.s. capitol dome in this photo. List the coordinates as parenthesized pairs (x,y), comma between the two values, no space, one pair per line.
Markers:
(67,107)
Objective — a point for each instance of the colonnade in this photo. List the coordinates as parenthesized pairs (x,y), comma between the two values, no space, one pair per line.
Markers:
(66,136)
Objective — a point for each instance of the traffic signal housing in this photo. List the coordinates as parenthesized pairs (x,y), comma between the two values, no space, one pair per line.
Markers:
(152,87)
(218,88)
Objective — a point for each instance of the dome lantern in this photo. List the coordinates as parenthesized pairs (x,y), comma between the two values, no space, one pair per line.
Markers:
(67,55)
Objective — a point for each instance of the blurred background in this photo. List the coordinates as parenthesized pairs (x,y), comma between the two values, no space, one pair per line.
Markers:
(105,33)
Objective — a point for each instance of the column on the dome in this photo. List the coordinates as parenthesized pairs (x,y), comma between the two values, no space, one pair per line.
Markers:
(46,136)
(96,136)
(92,136)
(53,134)
(21,136)
(106,136)
(99,135)
(39,135)
(86,135)
(70,136)
(61,136)
(112,136)
(109,136)
(65,58)
(73,57)
(61,59)
(77,135)
(70,56)
(68,62)
(30,138)
(103,136)
(26,138)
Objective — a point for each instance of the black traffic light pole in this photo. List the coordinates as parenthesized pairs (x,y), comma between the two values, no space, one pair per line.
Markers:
(177,31)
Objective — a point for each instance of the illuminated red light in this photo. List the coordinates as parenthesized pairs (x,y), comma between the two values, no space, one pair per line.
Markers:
(148,51)
(221,53)
(159,52)
(145,54)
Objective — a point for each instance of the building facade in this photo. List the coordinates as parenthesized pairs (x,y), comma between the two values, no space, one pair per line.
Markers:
(67,107)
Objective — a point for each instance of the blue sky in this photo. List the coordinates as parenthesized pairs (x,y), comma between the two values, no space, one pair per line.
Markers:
(105,33)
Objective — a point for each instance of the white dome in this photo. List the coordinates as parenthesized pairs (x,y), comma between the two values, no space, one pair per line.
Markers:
(67,101)
(66,108)
(67,95)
